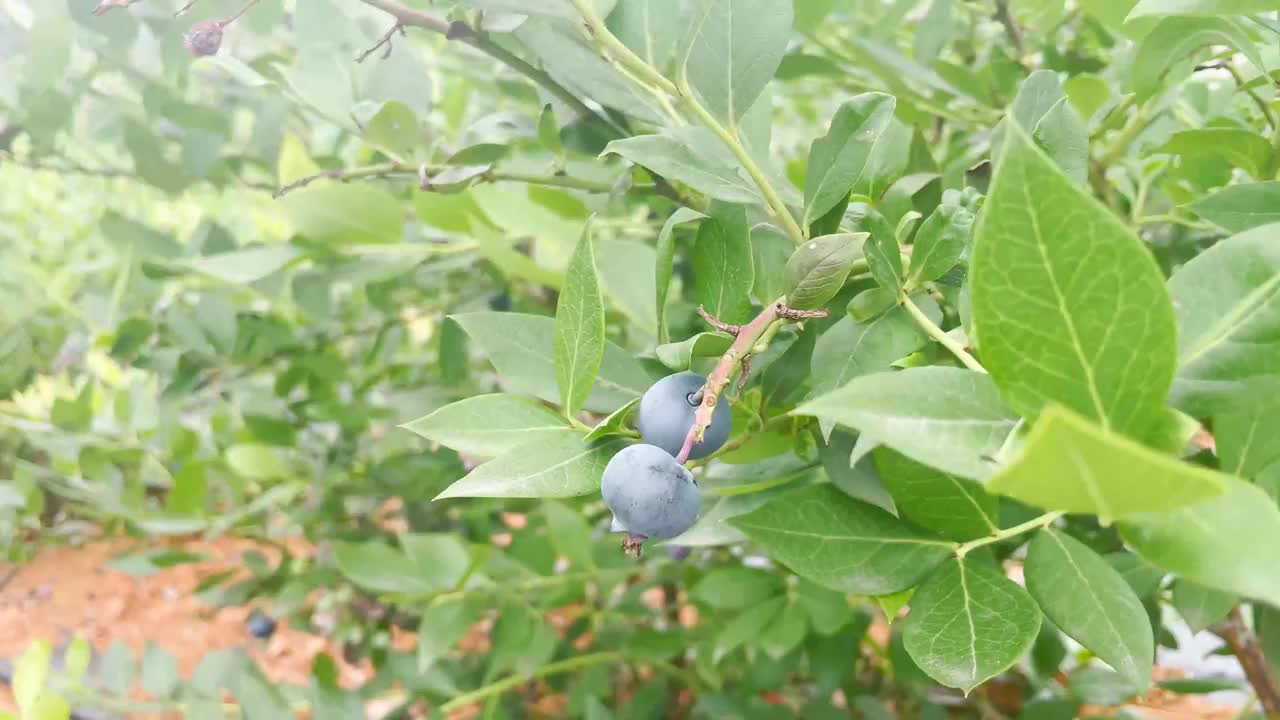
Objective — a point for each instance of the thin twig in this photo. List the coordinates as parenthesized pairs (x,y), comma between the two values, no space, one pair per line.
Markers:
(186,7)
(388,169)
(1244,644)
(384,41)
(717,323)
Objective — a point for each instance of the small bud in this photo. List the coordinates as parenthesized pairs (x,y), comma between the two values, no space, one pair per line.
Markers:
(204,38)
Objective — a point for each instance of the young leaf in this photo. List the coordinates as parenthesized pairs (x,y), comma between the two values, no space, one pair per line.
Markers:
(1043,110)
(1229,543)
(828,537)
(561,467)
(1173,39)
(663,264)
(817,270)
(884,259)
(969,623)
(947,418)
(489,425)
(1200,606)
(1069,463)
(693,156)
(679,356)
(722,264)
(1228,308)
(954,507)
(939,243)
(1089,601)
(838,159)
(1085,320)
(614,424)
(770,250)
(734,48)
(1241,207)
(522,348)
(579,339)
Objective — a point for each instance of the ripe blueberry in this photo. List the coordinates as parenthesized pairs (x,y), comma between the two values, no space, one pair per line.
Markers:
(650,493)
(260,625)
(666,414)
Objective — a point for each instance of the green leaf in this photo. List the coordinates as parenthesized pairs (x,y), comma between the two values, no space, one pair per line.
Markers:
(443,625)
(579,327)
(1228,309)
(394,129)
(1069,463)
(352,213)
(379,567)
(1241,207)
(1156,8)
(679,356)
(1042,109)
(951,506)
(1173,39)
(817,270)
(257,462)
(722,264)
(948,418)
(838,160)
(570,534)
(1242,431)
(1085,320)
(663,264)
(1143,578)
(713,528)
(245,266)
(1244,149)
(1196,686)
(734,588)
(1089,601)
(30,673)
(576,65)
(259,699)
(1100,686)
(117,668)
(1200,606)
(841,543)
(770,250)
(746,627)
(440,560)
(969,623)
(693,156)
(939,243)
(627,279)
(734,48)
(884,258)
(614,424)
(159,671)
(75,660)
(521,347)
(489,425)
(651,28)
(1203,542)
(560,467)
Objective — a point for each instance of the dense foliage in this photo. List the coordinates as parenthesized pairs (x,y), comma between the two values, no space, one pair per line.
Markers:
(983,298)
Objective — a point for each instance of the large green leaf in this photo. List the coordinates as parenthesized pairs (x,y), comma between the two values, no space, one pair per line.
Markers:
(489,425)
(957,508)
(693,156)
(1241,207)
(521,347)
(1068,305)
(651,28)
(817,270)
(561,466)
(1173,39)
(1244,430)
(1229,543)
(722,264)
(1228,306)
(948,418)
(968,623)
(1069,463)
(579,343)
(1244,149)
(355,213)
(1156,8)
(245,266)
(849,349)
(826,536)
(733,50)
(1043,110)
(838,159)
(663,264)
(1200,606)
(627,278)
(1091,602)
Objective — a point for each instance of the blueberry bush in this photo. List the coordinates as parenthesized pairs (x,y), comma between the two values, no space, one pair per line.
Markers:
(922,355)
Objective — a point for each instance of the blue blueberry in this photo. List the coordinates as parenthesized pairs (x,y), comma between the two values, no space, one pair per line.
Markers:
(666,414)
(261,625)
(650,494)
